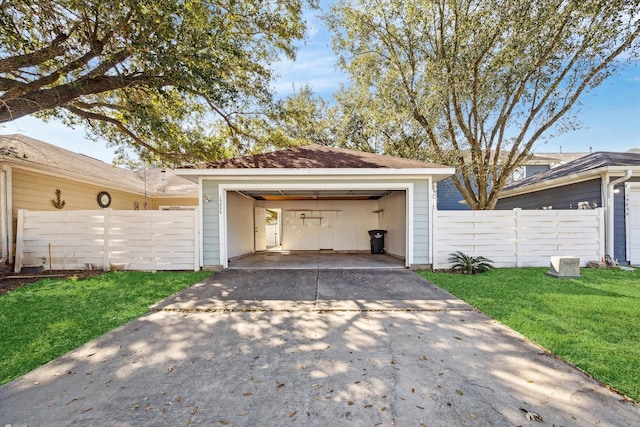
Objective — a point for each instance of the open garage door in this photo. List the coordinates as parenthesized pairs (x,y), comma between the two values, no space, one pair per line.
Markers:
(633,224)
(335,220)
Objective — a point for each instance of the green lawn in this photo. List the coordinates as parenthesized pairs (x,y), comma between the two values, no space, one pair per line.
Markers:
(47,319)
(592,322)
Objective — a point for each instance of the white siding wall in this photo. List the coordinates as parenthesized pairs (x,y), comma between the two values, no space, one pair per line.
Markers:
(393,218)
(240,224)
(333,224)
(519,238)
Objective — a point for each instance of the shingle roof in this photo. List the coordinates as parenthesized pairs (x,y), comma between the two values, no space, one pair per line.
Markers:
(171,183)
(35,153)
(587,163)
(553,158)
(316,156)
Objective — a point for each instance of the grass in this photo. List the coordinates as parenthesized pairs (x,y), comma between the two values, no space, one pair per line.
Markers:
(49,318)
(592,322)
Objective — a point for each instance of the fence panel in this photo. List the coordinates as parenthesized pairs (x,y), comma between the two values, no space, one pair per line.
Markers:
(519,238)
(133,240)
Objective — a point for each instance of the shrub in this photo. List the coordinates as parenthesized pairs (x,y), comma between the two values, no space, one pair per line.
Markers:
(467,264)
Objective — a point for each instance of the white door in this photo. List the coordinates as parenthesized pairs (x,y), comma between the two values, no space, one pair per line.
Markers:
(633,224)
(260,228)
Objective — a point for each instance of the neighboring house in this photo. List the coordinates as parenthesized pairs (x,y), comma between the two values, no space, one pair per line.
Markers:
(603,179)
(450,199)
(33,171)
(327,199)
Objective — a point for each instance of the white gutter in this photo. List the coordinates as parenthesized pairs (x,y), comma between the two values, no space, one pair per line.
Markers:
(609,211)
(315,173)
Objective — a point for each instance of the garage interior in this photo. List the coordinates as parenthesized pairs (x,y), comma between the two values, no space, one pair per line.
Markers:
(314,224)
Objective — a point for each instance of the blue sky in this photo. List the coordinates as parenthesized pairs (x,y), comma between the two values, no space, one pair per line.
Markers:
(610,114)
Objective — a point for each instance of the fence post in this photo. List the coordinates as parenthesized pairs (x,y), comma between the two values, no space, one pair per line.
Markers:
(517,220)
(106,262)
(19,241)
(196,240)
(434,240)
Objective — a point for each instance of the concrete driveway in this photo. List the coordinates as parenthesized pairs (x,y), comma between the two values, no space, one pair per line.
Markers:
(312,348)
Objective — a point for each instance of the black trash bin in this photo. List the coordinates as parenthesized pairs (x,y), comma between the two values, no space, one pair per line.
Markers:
(377,241)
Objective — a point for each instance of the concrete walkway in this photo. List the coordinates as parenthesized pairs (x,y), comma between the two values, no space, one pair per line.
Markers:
(312,348)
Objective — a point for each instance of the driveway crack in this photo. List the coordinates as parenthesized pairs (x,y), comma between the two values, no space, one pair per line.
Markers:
(394,375)
(315,305)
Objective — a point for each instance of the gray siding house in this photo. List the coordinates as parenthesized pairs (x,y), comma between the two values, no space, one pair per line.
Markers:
(325,199)
(450,199)
(603,179)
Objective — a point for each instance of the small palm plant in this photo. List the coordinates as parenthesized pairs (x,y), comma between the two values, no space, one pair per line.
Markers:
(467,264)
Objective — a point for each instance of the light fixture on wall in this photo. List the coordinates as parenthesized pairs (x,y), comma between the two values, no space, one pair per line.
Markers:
(207,198)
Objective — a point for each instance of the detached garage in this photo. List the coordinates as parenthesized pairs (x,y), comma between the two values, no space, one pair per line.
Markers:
(317,198)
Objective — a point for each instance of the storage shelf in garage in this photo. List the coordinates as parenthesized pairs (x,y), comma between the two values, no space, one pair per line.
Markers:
(304,217)
(311,217)
(313,210)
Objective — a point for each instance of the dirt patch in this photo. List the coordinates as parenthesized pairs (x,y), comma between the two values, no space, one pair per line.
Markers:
(10,280)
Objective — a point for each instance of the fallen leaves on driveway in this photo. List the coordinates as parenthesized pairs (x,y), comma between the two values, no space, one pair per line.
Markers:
(531,416)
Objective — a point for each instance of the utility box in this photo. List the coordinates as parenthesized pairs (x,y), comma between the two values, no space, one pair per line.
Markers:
(377,241)
(564,267)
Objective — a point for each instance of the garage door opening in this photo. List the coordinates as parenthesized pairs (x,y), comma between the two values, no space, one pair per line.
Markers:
(306,221)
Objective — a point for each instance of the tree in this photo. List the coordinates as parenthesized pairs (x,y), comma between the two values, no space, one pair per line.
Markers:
(305,118)
(483,80)
(172,79)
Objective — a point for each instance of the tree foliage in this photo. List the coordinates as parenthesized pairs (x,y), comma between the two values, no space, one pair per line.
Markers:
(173,79)
(348,122)
(479,82)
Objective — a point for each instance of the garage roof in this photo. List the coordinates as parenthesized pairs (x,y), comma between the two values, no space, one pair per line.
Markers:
(316,157)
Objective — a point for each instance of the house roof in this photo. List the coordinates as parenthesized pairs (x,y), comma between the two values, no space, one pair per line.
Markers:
(553,158)
(32,153)
(316,157)
(167,182)
(589,166)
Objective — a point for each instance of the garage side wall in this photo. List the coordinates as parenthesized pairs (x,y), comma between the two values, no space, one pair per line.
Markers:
(240,224)
(211,225)
(393,217)
(421,218)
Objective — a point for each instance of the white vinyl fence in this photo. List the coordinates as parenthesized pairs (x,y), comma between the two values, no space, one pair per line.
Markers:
(519,238)
(108,239)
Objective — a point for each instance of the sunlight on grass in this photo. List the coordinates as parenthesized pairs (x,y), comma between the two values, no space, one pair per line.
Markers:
(47,319)
(592,322)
